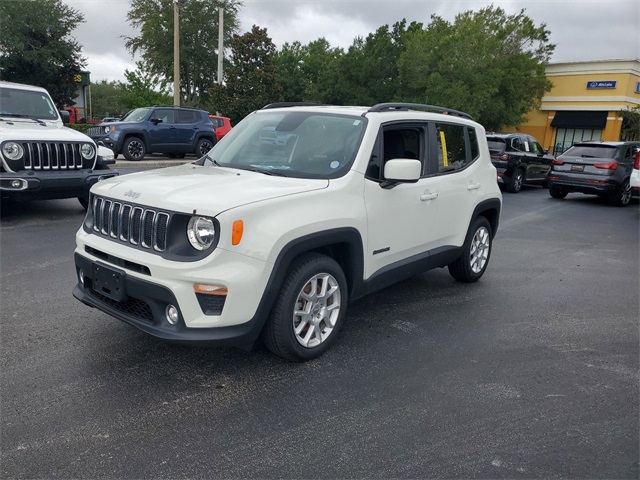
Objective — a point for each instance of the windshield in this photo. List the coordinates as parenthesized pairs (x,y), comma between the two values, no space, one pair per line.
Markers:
(292,144)
(592,151)
(136,115)
(15,102)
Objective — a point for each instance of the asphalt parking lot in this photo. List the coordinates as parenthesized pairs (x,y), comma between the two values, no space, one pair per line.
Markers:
(530,373)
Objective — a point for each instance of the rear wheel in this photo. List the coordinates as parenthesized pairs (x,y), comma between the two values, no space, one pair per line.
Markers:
(309,310)
(623,196)
(203,147)
(475,253)
(557,192)
(515,185)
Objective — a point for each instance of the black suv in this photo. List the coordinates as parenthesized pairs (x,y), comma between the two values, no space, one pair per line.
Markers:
(600,168)
(519,159)
(172,130)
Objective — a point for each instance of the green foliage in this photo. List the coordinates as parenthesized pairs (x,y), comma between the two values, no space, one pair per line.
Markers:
(143,89)
(368,73)
(630,123)
(305,73)
(198,41)
(486,63)
(81,127)
(251,78)
(106,99)
(37,48)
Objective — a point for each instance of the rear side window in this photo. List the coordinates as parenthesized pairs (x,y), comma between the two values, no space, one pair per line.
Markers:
(187,116)
(452,148)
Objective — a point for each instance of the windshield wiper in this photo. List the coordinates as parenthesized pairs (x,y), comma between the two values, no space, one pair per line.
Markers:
(263,171)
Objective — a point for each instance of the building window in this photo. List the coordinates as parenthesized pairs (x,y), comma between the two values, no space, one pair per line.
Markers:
(565,137)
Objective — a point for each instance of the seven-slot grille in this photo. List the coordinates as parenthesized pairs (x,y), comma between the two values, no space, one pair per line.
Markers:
(94,131)
(52,156)
(134,224)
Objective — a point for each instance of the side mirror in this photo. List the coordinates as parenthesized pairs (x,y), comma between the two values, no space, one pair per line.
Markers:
(65,115)
(401,170)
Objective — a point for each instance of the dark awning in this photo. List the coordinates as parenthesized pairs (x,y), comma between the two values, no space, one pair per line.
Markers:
(574,119)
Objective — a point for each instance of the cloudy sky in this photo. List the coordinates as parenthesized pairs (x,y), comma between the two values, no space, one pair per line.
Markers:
(581,29)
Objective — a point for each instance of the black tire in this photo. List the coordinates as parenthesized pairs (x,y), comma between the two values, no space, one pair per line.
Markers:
(134,149)
(622,197)
(515,185)
(279,333)
(115,156)
(84,201)
(557,192)
(203,147)
(476,252)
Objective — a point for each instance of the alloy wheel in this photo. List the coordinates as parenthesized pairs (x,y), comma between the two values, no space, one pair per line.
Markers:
(479,250)
(316,310)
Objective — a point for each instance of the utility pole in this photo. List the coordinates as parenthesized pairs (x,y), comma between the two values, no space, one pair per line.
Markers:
(220,43)
(176,54)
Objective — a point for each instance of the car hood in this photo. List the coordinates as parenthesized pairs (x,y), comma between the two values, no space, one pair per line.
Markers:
(205,190)
(24,129)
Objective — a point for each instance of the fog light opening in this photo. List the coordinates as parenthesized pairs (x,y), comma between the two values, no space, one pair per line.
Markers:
(18,184)
(172,314)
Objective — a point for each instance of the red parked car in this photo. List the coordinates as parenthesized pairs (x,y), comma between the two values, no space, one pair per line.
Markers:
(221,125)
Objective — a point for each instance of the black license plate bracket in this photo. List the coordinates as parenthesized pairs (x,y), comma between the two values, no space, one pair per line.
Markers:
(109,281)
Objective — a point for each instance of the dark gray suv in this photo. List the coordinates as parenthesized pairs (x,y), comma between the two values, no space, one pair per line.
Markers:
(175,131)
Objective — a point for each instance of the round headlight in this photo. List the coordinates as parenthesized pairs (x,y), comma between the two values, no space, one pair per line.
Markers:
(87,151)
(201,232)
(107,129)
(12,150)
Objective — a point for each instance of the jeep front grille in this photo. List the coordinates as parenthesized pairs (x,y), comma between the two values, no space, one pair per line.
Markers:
(95,131)
(134,224)
(52,156)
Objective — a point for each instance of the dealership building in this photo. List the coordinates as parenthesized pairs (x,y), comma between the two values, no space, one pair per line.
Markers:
(584,103)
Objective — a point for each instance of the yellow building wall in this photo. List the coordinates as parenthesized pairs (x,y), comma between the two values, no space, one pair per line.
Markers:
(570,93)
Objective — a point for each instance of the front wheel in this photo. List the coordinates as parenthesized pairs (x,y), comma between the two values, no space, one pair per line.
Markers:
(623,196)
(134,149)
(309,310)
(471,265)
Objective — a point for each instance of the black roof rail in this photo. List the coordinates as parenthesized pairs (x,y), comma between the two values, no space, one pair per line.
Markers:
(292,104)
(384,107)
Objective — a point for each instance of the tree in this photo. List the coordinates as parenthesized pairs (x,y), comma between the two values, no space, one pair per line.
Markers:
(486,63)
(630,123)
(368,73)
(36,46)
(106,99)
(144,89)
(198,41)
(251,78)
(305,73)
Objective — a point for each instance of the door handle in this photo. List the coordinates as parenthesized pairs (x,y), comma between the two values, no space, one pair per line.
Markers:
(473,186)
(428,196)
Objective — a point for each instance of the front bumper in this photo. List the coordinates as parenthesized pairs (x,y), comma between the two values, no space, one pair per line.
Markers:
(42,185)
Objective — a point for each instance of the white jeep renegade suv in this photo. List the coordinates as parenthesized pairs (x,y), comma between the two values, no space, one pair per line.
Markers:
(272,239)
